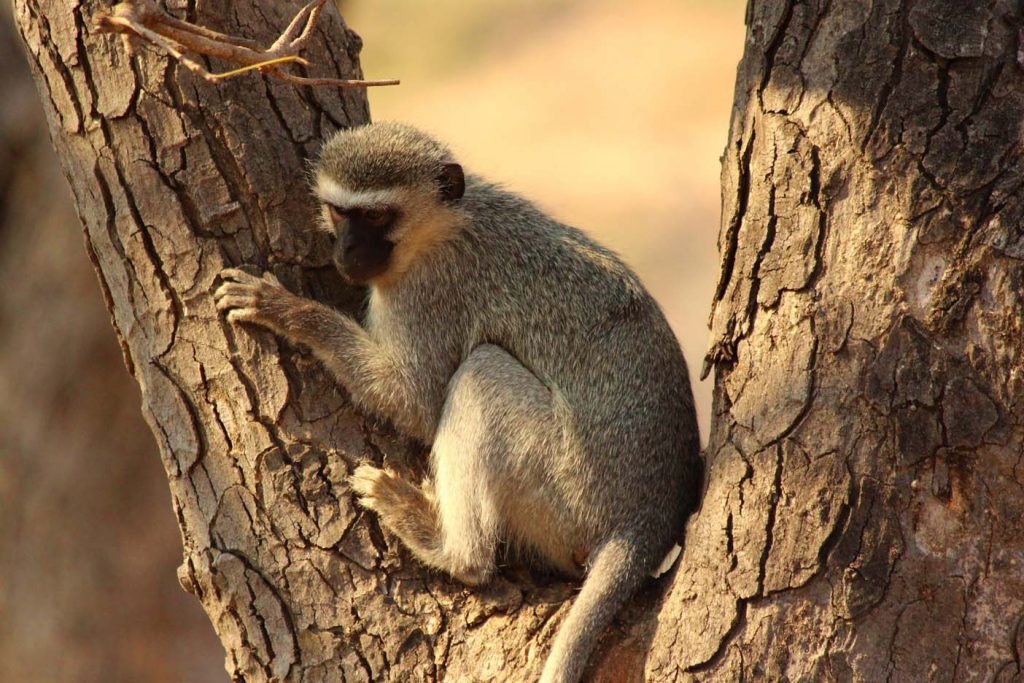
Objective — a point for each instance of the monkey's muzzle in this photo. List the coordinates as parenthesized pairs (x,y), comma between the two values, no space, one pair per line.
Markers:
(359,261)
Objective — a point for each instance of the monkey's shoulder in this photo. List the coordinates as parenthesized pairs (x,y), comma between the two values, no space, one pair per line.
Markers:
(511,233)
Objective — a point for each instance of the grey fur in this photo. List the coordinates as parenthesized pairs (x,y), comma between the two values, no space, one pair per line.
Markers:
(380,155)
(538,366)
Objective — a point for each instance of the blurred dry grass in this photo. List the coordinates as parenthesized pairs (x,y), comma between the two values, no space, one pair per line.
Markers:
(611,115)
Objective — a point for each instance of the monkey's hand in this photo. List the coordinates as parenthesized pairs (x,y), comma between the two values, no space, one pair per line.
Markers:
(261,301)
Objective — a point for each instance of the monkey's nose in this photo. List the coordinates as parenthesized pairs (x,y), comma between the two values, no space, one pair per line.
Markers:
(346,244)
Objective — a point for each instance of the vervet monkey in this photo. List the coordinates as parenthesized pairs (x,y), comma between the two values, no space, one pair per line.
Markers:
(545,378)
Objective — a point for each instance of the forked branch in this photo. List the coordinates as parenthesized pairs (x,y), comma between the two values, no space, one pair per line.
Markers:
(146,20)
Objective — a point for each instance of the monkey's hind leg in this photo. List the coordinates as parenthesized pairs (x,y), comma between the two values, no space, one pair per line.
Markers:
(495,441)
(493,447)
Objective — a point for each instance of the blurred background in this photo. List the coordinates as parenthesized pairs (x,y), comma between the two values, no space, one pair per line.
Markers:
(612,115)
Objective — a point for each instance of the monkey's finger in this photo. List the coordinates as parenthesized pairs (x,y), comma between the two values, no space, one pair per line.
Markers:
(365,471)
(272,279)
(230,301)
(233,289)
(361,486)
(243,315)
(367,502)
(238,275)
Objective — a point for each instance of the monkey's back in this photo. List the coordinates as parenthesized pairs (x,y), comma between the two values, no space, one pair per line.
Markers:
(581,321)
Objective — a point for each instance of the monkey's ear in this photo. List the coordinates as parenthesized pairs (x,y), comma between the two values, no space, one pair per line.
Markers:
(452,182)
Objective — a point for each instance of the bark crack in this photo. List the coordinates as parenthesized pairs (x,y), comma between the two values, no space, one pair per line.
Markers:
(889,86)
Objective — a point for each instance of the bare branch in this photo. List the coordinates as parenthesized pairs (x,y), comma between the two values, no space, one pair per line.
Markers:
(146,20)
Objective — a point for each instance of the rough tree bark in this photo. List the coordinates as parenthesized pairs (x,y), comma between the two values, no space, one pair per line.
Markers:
(87,587)
(863,513)
(864,484)
(175,178)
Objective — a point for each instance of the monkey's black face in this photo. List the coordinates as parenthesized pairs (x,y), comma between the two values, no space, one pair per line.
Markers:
(363,248)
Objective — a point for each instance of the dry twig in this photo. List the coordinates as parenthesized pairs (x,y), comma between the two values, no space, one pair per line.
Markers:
(145,19)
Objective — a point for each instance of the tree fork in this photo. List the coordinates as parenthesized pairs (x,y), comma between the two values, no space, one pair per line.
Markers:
(864,485)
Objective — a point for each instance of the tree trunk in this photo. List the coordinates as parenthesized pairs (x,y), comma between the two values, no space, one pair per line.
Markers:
(863,513)
(174,179)
(87,544)
(863,499)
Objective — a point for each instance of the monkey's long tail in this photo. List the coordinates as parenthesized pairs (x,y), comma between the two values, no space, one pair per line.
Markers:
(615,574)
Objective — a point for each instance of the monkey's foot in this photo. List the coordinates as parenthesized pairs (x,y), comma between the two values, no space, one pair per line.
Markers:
(402,507)
(251,299)
(386,493)
(411,514)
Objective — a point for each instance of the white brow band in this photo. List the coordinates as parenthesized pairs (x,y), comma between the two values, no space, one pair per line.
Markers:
(333,193)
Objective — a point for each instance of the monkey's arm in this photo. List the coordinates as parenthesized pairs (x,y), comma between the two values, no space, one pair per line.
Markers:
(377,381)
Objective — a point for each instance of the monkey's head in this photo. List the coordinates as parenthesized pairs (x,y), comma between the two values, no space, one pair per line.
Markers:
(390,193)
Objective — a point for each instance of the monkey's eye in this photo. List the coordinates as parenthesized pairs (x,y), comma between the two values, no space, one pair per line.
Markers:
(335,213)
(377,217)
